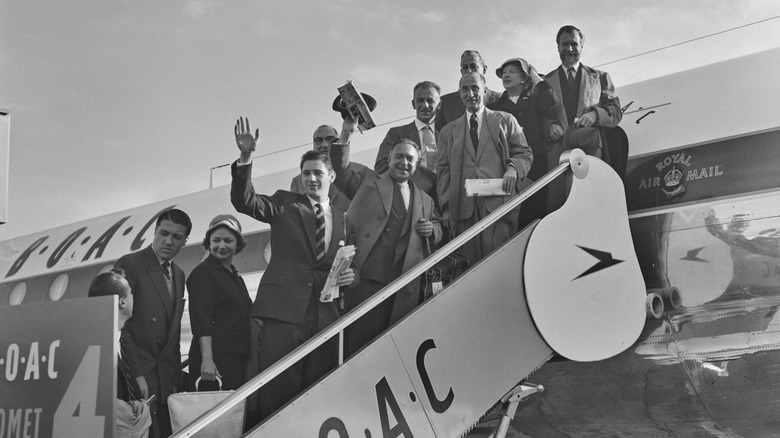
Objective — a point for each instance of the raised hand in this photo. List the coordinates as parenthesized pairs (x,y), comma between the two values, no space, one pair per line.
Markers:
(244,140)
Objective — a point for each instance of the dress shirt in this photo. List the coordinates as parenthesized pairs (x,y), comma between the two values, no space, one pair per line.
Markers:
(328,212)
(405,193)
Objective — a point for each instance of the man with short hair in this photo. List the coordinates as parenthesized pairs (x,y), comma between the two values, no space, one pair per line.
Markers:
(482,144)
(452,106)
(132,415)
(154,333)
(396,224)
(306,233)
(322,139)
(587,100)
(422,131)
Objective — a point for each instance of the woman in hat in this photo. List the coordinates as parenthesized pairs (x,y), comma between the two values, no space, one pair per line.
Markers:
(219,309)
(529,98)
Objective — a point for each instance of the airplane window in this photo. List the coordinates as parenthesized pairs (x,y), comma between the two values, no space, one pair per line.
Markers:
(58,287)
(105,269)
(17,294)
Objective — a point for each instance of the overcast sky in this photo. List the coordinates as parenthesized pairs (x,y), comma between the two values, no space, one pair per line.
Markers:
(116,104)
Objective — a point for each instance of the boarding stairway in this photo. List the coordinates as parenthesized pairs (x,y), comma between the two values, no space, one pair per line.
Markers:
(569,284)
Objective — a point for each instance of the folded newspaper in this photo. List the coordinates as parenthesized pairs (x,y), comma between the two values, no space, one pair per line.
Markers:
(485,187)
(342,261)
(354,103)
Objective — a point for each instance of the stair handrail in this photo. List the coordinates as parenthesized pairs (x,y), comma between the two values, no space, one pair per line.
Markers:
(575,158)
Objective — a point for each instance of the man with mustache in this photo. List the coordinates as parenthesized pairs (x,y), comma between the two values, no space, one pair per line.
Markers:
(425,101)
(396,224)
(482,144)
(451,104)
(588,100)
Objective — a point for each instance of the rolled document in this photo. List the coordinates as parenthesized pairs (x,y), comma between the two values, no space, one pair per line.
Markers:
(342,261)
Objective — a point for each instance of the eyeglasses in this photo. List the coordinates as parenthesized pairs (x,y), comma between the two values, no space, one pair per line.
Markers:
(329,139)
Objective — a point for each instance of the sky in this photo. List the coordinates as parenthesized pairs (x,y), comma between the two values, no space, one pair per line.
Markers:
(116,104)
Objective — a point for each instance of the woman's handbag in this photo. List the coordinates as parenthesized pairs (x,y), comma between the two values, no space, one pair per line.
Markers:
(185,407)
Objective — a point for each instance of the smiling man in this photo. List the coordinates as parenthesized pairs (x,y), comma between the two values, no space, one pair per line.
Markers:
(393,219)
(154,331)
(306,232)
(425,101)
(482,144)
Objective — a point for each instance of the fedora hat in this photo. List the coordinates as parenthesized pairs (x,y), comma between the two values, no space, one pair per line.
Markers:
(338,104)
(588,139)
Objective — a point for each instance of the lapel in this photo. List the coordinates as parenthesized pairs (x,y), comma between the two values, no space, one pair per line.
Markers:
(484,133)
(384,185)
(306,211)
(338,234)
(588,80)
(555,83)
(155,276)
(463,137)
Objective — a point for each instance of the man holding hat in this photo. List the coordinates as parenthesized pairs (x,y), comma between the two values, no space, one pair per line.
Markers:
(589,104)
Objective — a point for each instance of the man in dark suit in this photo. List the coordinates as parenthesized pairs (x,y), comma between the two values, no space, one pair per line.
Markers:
(482,144)
(452,105)
(422,131)
(396,224)
(587,100)
(132,415)
(306,233)
(322,138)
(154,332)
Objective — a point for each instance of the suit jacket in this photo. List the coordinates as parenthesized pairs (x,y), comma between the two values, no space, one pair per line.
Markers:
(452,106)
(372,198)
(340,200)
(501,142)
(597,92)
(154,331)
(294,273)
(423,178)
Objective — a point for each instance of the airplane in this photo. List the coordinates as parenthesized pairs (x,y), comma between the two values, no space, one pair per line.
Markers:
(703,205)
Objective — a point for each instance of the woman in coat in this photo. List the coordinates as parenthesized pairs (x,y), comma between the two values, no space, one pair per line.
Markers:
(528,98)
(219,309)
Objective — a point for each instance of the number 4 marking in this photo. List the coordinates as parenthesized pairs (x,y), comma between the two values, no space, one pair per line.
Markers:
(75,416)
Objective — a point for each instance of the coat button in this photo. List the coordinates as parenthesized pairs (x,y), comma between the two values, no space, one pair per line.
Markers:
(309,285)
(368,234)
(387,230)
(154,319)
(379,217)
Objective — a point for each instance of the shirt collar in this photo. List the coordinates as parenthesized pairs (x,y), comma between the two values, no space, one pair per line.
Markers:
(420,124)
(478,113)
(325,203)
(576,67)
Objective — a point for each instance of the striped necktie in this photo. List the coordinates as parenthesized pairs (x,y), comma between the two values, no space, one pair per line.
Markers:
(123,363)
(319,215)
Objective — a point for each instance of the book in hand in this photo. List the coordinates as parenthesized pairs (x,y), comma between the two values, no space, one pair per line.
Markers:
(342,261)
(356,106)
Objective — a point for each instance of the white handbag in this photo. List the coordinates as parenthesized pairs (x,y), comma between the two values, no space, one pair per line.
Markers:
(185,407)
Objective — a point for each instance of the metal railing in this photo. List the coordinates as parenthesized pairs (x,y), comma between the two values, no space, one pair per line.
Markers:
(575,158)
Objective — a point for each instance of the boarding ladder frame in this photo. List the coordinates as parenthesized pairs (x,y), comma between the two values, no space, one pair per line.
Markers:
(574,159)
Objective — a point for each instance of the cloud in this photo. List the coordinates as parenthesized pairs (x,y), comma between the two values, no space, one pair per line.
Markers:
(432,17)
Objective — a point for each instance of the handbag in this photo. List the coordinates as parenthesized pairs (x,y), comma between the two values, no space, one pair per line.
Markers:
(185,407)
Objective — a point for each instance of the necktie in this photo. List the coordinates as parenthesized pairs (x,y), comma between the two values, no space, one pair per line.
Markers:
(319,233)
(428,159)
(473,128)
(123,363)
(571,75)
(166,267)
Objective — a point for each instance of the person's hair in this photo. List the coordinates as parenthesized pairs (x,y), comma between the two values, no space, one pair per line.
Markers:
(410,142)
(427,84)
(108,283)
(317,155)
(326,126)
(177,217)
(568,29)
(475,53)
(240,241)
(481,78)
